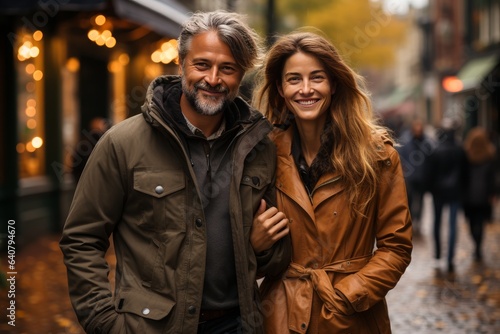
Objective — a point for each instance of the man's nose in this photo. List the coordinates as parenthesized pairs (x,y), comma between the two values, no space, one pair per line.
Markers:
(212,77)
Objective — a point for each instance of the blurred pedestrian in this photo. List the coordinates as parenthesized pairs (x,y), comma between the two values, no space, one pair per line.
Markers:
(341,185)
(479,189)
(89,138)
(446,163)
(178,188)
(414,154)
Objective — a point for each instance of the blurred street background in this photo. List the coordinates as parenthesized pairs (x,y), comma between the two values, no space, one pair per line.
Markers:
(427,300)
(71,69)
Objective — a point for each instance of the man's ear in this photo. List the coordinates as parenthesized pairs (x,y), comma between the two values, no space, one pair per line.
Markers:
(179,67)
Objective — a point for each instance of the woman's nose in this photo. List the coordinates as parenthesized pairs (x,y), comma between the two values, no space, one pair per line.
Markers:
(306,88)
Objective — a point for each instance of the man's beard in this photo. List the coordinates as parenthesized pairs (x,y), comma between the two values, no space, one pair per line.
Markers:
(206,106)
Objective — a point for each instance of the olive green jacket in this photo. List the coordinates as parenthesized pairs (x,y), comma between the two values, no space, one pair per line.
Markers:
(139,187)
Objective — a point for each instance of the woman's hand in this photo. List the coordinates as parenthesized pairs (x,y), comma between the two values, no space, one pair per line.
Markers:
(268,227)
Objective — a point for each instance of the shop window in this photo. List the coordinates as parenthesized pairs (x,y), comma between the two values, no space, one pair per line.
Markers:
(30,111)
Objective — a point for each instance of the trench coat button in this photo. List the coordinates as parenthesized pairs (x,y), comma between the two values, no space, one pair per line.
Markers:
(303,326)
(315,265)
(198,222)
(388,162)
(334,213)
(146,311)
(159,189)
(246,178)
(191,310)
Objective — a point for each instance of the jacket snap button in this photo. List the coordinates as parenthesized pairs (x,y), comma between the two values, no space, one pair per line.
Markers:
(146,311)
(246,178)
(198,222)
(159,189)
(303,326)
(334,213)
(388,162)
(191,310)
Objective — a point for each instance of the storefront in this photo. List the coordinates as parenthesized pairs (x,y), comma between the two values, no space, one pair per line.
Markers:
(474,94)
(64,64)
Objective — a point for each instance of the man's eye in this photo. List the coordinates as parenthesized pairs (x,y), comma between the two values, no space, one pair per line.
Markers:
(201,66)
(228,69)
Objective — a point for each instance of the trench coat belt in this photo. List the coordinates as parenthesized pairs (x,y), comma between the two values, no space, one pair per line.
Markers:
(300,283)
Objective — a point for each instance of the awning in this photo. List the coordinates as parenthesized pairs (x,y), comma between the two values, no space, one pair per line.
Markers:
(398,97)
(51,8)
(162,16)
(476,70)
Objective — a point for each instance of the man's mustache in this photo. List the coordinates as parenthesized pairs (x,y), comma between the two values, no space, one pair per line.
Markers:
(212,89)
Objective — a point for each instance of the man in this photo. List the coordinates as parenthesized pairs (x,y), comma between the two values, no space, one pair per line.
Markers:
(447,163)
(97,127)
(415,153)
(178,187)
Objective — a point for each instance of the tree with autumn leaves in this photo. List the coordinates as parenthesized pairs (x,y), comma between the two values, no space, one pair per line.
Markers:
(366,35)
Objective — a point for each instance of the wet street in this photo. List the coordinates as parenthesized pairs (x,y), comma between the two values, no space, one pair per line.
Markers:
(426,300)
(430,300)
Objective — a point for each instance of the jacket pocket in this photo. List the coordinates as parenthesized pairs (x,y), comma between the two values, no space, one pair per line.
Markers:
(142,311)
(254,184)
(160,199)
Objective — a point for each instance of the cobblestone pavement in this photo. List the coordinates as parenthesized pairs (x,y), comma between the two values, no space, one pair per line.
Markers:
(426,300)
(429,300)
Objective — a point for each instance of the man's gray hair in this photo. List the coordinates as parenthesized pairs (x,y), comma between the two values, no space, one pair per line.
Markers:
(244,43)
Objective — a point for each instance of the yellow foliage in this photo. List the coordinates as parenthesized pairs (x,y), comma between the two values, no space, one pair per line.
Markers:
(364,34)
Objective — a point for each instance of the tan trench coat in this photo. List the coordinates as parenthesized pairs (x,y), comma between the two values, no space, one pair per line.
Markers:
(336,258)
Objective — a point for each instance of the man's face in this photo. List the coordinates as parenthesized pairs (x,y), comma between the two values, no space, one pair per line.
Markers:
(210,74)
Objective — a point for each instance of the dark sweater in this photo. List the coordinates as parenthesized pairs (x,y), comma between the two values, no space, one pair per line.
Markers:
(211,161)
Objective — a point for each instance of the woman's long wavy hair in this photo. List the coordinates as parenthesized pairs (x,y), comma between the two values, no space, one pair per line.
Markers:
(353,122)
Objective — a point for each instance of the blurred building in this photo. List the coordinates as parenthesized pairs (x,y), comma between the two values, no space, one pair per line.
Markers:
(63,63)
(467,39)
(449,67)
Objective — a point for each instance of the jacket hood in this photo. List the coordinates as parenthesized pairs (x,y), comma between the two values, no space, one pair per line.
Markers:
(163,99)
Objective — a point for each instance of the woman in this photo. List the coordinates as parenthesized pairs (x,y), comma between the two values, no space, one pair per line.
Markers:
(340,183)
(479,185)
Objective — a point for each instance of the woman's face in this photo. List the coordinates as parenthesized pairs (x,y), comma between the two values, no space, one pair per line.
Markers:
(306,88)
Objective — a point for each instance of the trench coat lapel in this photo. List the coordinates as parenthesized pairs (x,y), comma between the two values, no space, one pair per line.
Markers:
(295,190)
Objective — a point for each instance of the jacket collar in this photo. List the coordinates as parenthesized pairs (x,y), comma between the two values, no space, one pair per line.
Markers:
(163,98)
(328,185)
(288,178)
